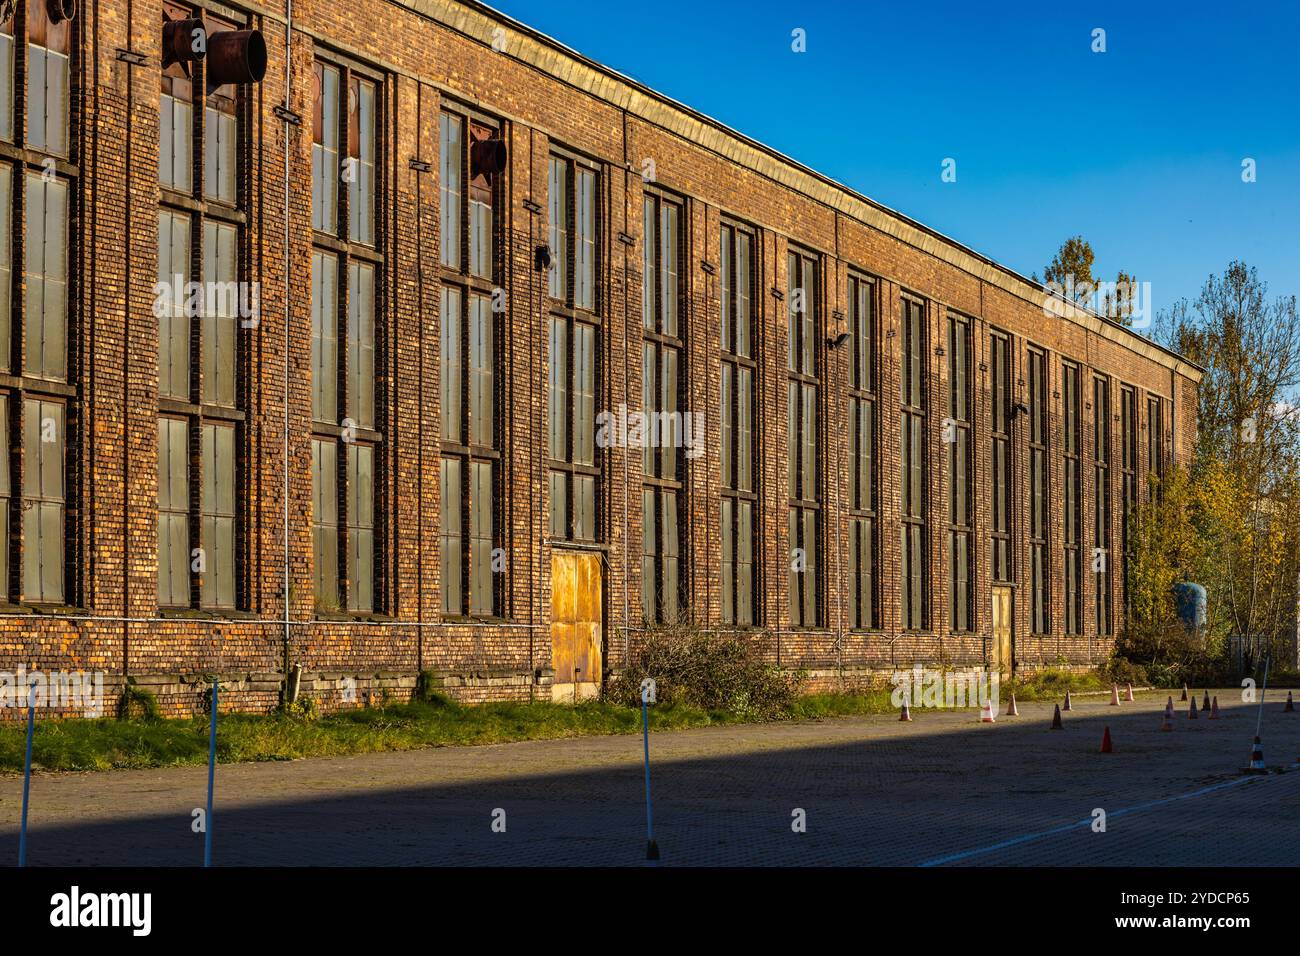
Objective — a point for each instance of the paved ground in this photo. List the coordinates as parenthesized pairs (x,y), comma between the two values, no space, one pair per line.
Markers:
(944,789)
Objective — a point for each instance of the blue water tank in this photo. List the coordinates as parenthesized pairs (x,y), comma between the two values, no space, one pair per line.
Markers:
(1190,601)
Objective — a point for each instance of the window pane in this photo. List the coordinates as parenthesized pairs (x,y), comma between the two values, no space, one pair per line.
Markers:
(450,189)
(173,318)
(480,533)
(7,82)
(558,392)
(173,513)
(325,149)
(6,259)
(46,277)
(324,337)
(218,516)
(219,155)
(361,161)
(361,343)
(361,525)
(558,214)
(584,293)
(481,422)
(450,536)
(452,365)
(43,500)
(325,520)
(221,309)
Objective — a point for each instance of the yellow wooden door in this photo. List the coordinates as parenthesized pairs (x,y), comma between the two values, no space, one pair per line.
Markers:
(577,603)
(1002,644)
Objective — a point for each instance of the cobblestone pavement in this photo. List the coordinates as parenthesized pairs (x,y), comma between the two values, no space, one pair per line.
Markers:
(944,789)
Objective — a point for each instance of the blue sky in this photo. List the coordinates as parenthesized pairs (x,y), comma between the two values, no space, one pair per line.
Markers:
(1139,149)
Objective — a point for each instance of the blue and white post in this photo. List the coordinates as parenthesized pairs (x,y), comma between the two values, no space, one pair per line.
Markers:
(27,774)
(651,847)
(212,770)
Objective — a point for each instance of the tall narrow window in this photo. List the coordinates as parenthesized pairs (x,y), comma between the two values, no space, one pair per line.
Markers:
(957,437)
(1072,495)
(572,214)
(802,402)
(1128,441)
(7,77)
(176,119)
(49,46)
(1000,428)
(863,543)
(217,511)
(44,443)
(173,513)
(347,285)
(200,233)
(1101,501)
(573,362)
(913,488)
(663,465)
(1156,440)
(739,450)
(1040,496)
(46,278)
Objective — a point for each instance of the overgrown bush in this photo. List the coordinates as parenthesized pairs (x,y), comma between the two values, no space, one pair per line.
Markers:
(137,703)
(711,670)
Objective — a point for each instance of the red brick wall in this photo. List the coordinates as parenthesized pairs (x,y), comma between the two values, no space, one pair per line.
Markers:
(116,625)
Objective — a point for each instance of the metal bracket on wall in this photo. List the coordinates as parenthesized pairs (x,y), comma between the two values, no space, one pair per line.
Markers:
(282,112)
(420,165)
(626,239)
(532,207)
(132,58)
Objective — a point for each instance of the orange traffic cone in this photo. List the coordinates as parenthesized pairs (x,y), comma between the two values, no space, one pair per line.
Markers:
(1184,697)
(1257,759)
(1105,741)
(1128,695)
(1056,719)
(1214,708)
(1191,711)
(1290,704)
(1114,695)
(1169,708)
(1067,701)
(905,714)
(1168,722)
(1012,711)
(1205,704)
(986,712)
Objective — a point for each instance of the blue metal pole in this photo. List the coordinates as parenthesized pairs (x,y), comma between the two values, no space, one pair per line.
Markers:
(651,848)
(27,775)
(212,769)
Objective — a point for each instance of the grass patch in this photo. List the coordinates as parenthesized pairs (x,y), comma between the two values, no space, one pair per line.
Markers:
(1051,684)
(135,743)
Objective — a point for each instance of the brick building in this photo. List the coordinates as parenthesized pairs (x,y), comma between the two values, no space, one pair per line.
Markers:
(442,261)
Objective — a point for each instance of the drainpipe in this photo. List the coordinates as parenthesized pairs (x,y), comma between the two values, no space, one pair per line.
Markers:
(284,491)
